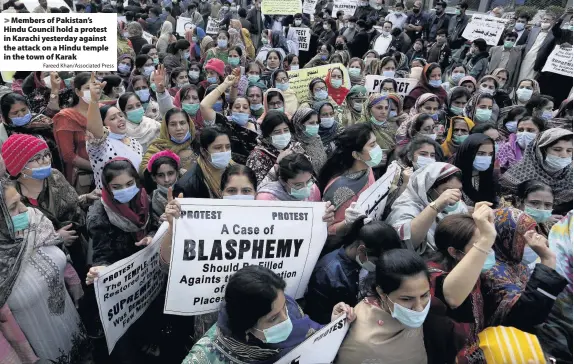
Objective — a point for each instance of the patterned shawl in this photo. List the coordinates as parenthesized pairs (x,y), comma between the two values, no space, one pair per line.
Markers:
(312,144)
(345,187)
(404,132)
(470,107)
(449,147)
(327,135)
(350,116)
(503,283)
(358,80)
(385,133)
(535,90)
(532,167)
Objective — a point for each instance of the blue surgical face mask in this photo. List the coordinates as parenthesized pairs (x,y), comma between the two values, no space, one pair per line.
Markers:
(253,78)
(282,85)
(221,160)
(294,67)
(116,136)
(483,115)
(185,138)
(41,172)
(126,194)
(529,256)
(123,68)
(482,162)
(21,221)
(239,197)
(143,94)
(218,106)
(451,208)
(434,116)
(256,107)
(240,118)
(278,333)
(546,115)
(523,138)
(148,70)
(392,114)
(135,115)
(222,43)
(389,74)
(557,163)
(336,83)
(233,61)
(301,193)
(212,80)
(190,109)
(409,318)
(423,161)
(321,95)
(435,83)
(311,130)
(456,110)
(511,126)
(23,120)
(489,262)
(538,215)
(281,141)
(327,122)
(457,77)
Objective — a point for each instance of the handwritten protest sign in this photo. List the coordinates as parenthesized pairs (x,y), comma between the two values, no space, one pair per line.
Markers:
(125,289)
(374,199)
(299,80)
(182,25)
(304,36)
(347,6)
(148,37)
(374,83)
(215,238)
(309,6)
(281,7)
(559,61)
(212,26)
(487,27)
(321,347)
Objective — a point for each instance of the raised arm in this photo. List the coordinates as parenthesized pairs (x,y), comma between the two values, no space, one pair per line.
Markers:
(209,100)
(95,122)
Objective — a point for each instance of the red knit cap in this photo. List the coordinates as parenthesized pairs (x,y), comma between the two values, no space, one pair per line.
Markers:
(18,149)
(216,65)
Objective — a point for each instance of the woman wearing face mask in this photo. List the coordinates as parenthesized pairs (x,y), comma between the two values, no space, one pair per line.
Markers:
(458,130)
(70,134)
(110,141)
(291,62)
(547,159)
(317,92)
(306,124)
(254,94)
(352,113)
(479,108)
(489,85)
(509,118)
(430,104)
(356,71)
(336,89)
(469,83)
(417,51)
(349,169)
(280,80)
(272,63)
(504,87)
(47,92)
(194,36)
(126,64)
(475,158)
(203,180)
(163,170)
(178,79)
(144,66)
(396,112)
(430,82)
(541,106)
(214,73)
(41,305)
(455,73)
(220,52)
(336,276)
(138,126)
(165,37)
(457,98)
(241,127)
(400,321)
(329,124)
(194,73)
(328,35)
(524,91)
(276,139)
(527,130)
(114,88)
(141,87)
(290,180)
(420,125)
(273,99)
(385,67)
(259,319)
(176,133)
(376,113)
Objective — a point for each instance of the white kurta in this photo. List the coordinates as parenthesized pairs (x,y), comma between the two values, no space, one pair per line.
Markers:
(527,69)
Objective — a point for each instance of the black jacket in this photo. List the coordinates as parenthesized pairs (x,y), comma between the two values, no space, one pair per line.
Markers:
(359,45)
(192,184)
(137,43)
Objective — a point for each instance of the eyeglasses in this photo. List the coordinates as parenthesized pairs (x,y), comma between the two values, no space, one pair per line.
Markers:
(40,157)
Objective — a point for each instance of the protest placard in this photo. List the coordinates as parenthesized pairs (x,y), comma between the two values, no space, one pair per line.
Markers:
(309,6)
(321,347)
(125,289)
(374,83)
(182,25)
(373,200)
(304,35)
(215,238)
(59,42)
(559,61)
(347,6)
(281,7)
(148,37)
(212,26)
(489,28)
(299,80)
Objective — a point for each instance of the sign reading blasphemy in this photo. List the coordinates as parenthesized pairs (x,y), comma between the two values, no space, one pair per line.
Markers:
(299,80)
(489,28)
(125,289)
(321,347)
(215,238)
(304,36)
(212,26)
(560,61)
(281,7)
(347,6)
(373,200)
(374,83)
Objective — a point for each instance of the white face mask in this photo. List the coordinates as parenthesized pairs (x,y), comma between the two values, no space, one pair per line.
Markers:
(423,161)
(281,141)
(87,97)
(48,82)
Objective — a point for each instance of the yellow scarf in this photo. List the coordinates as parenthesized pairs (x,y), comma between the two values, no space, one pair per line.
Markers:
(212,176)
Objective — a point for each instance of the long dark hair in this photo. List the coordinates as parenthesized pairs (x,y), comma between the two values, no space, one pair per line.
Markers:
(452,231)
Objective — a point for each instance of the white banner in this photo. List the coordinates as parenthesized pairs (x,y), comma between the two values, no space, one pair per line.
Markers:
(215,238)
(182,25)
(348,6)
(212,26)
(560,61)
(309,6)
(321,347)
(374,83)
(373,200)
(280,7)
(148,37)
(489,28)
(304,36)
(125,289)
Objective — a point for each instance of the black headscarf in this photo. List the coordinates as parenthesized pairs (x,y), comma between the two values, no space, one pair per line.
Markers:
(464,159)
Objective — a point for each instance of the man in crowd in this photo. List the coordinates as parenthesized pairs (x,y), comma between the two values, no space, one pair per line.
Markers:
(397,17)
(205,10)
(257,25)
(456,26)
(507,56)
(439,52)
(153,21)
(521,29)
(540,43)
(439,20)
(350,29)
(42,8)
(363,10)
(360,43)
(416,22)
(382,41)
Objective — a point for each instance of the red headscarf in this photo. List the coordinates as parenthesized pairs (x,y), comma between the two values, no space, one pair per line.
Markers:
(338,94)
(137,210)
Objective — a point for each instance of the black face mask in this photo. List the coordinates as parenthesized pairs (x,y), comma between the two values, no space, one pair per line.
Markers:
(416,11)
(339,46)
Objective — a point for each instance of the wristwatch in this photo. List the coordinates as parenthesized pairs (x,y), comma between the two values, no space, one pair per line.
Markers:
(433,206)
